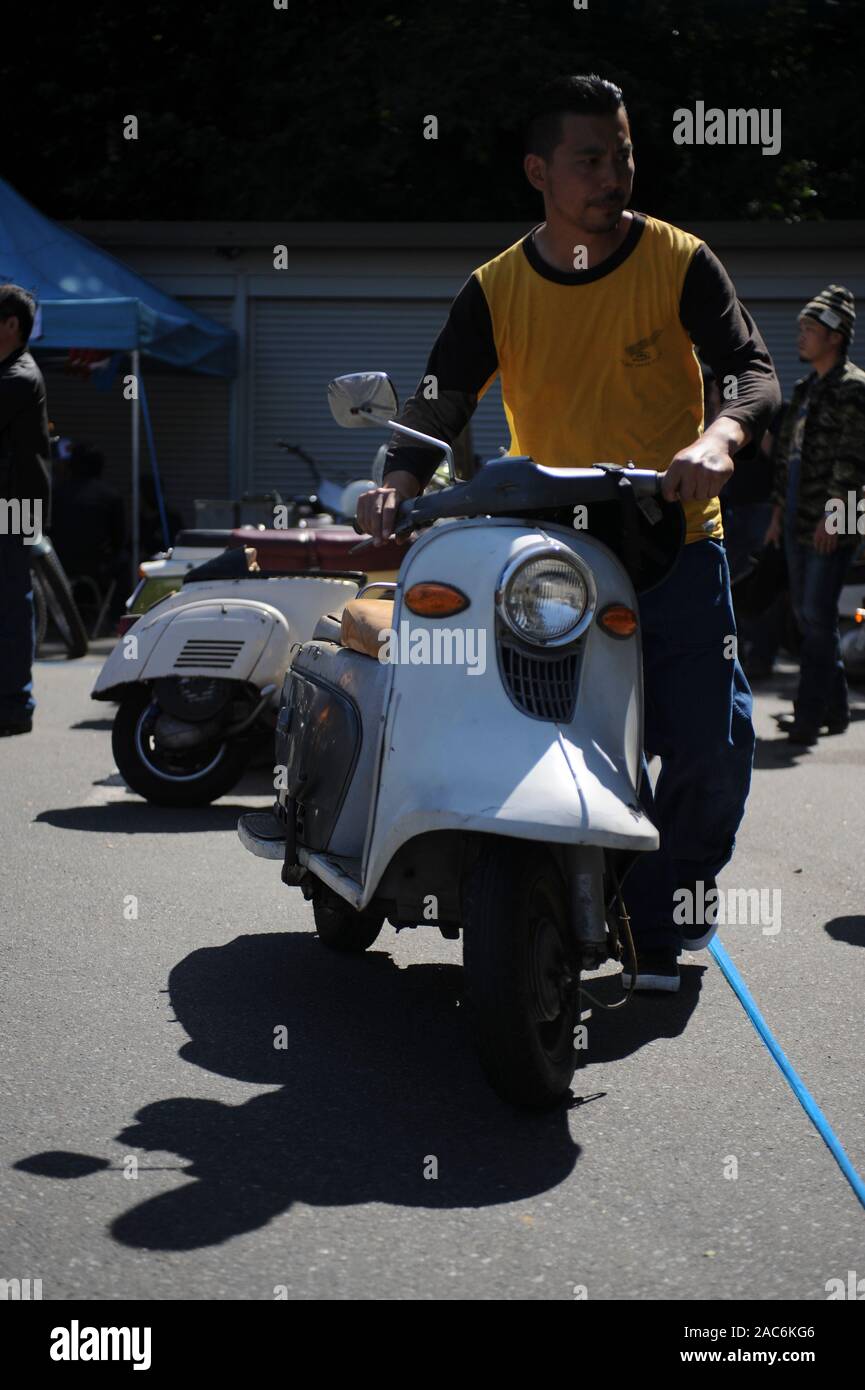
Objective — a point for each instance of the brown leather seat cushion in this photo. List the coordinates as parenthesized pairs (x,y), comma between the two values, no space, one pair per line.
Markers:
(362,621)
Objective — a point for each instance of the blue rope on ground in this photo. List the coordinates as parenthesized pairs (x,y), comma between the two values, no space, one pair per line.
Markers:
(798,1087)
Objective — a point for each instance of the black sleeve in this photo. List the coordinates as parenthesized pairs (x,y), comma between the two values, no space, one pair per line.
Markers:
(16,394)
(462,363)
(727,338)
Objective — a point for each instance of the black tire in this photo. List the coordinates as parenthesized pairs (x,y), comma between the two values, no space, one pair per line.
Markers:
(340,928)
(187,780)
(522,990)
(62,607)
(40,608)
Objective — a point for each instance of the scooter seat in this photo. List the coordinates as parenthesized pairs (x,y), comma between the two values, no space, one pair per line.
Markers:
(362,621)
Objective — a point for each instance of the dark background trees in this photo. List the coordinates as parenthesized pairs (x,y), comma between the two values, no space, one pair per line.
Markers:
(316,111)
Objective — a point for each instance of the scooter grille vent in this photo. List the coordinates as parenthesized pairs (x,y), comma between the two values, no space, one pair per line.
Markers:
(220,654)
(543,686)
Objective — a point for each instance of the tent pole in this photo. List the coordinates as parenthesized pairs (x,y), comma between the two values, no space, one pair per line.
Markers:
(136,463)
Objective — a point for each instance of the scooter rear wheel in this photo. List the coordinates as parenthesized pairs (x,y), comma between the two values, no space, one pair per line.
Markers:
(195,780)
(522,987)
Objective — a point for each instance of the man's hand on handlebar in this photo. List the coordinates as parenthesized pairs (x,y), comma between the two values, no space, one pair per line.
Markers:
(700,471)
(376,510)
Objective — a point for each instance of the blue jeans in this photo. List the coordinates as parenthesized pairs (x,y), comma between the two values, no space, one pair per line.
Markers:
(698,721)
(17,631)
(816,582)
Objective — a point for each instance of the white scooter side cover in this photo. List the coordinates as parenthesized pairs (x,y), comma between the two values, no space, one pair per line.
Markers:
(239,629)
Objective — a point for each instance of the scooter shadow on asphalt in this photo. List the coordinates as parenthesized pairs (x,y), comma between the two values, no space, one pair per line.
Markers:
(133,816)
(618,1033)
(378,1075)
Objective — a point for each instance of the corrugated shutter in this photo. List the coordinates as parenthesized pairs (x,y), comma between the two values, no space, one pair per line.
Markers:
(776,320)
(190,416)
(298,346)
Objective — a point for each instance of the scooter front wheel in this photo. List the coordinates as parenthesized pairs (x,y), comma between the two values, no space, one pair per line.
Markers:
(522,986)
(341,928)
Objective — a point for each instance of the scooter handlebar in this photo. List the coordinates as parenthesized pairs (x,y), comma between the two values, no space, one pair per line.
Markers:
(413,511)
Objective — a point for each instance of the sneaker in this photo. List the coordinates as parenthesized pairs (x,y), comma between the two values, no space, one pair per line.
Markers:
(803,735)
(839,725)
(655,970)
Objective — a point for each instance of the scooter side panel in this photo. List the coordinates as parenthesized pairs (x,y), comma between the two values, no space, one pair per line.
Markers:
(364,682)
(202,639)
(293,606)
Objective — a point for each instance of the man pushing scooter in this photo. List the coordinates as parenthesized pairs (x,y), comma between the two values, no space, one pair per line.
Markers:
(591,321)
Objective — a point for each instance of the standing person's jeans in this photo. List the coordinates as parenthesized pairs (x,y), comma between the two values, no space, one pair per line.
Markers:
(816,582)
(745,525)
(698,721)
(17,632)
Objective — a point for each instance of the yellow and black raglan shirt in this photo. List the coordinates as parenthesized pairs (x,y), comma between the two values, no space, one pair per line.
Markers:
(599,365)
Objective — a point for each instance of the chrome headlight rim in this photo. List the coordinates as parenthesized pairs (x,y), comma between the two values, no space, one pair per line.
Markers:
(552,550)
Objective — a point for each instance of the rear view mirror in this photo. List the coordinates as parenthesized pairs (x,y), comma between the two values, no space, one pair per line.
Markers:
(362,398)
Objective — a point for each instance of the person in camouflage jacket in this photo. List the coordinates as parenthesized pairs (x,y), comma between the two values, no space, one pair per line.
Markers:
(819,478)
(833,447)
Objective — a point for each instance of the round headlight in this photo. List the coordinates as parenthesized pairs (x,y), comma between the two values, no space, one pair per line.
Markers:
(545,598)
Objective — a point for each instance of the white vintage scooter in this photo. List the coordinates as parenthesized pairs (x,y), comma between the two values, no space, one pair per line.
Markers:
(198,678)
(467,751)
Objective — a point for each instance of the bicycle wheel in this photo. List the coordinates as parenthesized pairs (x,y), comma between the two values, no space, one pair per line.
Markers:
(40,609)
(60,601)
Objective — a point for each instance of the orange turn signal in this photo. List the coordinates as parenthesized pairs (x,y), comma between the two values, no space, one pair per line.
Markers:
(434,600)
(618,620)
(860,615)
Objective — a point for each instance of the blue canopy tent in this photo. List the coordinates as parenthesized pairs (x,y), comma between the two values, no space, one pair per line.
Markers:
(88,299)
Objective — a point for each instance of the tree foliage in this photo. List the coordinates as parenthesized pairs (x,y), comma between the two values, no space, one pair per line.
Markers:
(308,112)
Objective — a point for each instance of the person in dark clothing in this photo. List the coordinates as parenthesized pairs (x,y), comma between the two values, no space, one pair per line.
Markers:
(150,536)
(88,526)
(747,507)
(820,471)
(25,500)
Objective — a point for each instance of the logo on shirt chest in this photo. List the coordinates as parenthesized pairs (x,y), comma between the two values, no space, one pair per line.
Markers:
(643,352)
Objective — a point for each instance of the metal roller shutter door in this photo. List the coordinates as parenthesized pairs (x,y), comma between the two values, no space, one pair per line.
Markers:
(776,320)
(190,415)
(298,346)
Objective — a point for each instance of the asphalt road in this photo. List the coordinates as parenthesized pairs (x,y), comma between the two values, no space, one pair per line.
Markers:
(157,1145)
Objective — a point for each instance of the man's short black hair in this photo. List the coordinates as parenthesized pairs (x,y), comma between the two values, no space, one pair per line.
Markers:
(585,94)
(14,300)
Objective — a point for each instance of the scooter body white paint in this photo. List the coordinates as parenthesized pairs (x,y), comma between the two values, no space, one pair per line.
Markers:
(240,629)
(455,752)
